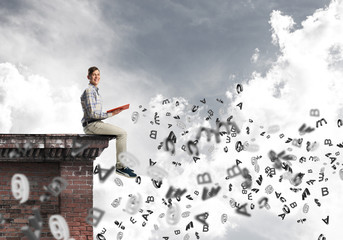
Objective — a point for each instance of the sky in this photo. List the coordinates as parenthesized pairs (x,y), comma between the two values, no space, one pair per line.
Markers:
(287,56)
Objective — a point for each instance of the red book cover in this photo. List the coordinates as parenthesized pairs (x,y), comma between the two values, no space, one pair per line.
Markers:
(124,107)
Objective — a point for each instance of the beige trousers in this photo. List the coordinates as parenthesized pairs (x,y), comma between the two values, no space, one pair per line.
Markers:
(101,128)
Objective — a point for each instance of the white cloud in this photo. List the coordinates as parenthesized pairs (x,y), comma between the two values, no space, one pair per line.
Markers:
(30,105)
(307,75)
(302,78)
(255,56)
(281,26)
(59,40)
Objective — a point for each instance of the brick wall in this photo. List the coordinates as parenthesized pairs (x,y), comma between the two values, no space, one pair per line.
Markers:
(46,162)
(77,198)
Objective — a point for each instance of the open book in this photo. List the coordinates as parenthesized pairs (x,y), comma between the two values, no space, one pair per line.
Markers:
(124,107)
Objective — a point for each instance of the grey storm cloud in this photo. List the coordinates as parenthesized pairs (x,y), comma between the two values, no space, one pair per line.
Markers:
(193,44)
(175,48)
(188,48)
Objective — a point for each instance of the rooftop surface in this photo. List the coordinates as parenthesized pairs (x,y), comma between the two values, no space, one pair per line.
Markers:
(52,147)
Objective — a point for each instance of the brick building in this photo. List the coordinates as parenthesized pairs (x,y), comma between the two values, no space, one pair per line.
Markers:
(42,157)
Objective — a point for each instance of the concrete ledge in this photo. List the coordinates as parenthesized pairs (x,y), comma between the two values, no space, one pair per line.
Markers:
(51,147)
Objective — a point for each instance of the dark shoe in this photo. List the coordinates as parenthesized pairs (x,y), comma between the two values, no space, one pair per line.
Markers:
(127,172)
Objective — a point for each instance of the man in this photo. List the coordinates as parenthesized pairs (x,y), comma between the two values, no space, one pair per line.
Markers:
(92,109)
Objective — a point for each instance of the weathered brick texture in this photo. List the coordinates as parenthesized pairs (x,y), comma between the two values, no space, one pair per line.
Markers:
(41,158)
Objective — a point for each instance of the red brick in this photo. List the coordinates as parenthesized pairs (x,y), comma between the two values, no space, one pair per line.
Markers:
(77,172)
(21,221)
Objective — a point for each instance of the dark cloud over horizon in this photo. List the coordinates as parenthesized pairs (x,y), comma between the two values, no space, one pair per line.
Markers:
(195,46)
(189,48)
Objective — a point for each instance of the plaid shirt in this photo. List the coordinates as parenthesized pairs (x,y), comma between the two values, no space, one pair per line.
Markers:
(92,104)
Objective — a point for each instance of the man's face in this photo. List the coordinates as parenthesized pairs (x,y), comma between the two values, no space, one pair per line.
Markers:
(94,78)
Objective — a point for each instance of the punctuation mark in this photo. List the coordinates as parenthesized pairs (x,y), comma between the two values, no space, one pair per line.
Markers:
(184,133)
(302,220)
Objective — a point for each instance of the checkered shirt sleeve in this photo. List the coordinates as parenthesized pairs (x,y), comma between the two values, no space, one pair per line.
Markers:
(92,105)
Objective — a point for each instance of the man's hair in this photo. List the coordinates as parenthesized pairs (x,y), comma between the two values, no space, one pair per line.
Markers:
(92,69)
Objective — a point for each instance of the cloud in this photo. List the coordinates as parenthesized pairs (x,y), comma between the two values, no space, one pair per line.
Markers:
(60,40)
(255,56)
(171,47)
(30,105)
(307,75)
(60,43)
